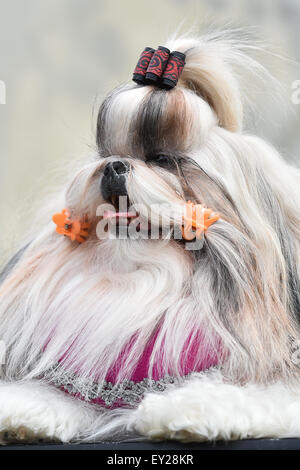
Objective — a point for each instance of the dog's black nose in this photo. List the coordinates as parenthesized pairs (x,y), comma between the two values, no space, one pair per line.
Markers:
(114,169)
(113,182)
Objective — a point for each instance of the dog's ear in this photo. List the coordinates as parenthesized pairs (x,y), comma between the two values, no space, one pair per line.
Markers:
(241,308)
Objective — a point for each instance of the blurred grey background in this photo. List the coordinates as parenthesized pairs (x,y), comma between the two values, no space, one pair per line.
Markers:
(58,58)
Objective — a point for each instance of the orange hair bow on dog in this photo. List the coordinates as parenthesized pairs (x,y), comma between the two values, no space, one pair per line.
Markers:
(196,220)
(74,229)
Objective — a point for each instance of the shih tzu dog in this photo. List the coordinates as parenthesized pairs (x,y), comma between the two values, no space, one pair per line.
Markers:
(163,298)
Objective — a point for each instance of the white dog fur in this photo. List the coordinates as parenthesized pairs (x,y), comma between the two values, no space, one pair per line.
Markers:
(81,304)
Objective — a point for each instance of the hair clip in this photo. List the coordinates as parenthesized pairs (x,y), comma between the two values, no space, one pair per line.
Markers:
(159,67)
(197,219)
(173,69)
(74,229)
(142,65)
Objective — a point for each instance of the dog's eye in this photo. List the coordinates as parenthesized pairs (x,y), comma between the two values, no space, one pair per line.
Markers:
(162,160)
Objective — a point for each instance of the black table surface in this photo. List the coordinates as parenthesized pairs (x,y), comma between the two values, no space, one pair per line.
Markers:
(246,444)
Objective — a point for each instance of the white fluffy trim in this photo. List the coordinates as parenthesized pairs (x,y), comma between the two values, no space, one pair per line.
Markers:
(206,408)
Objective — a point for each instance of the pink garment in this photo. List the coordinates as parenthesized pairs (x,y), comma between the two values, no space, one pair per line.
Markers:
(190,360)
(195,357)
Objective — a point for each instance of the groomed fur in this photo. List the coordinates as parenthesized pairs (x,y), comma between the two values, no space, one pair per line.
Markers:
(82,304)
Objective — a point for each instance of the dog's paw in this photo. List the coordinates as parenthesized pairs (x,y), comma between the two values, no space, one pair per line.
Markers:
(206,408)
(178,413)
(167,416)
(31,412)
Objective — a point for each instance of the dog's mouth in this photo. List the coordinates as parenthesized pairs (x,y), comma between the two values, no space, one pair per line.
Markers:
(124,220)
(124,217)
(123,210)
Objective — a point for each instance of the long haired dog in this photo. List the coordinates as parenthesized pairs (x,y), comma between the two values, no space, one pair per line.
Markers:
(148,333)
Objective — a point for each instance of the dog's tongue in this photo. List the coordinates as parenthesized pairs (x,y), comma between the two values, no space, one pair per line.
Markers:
(112,214)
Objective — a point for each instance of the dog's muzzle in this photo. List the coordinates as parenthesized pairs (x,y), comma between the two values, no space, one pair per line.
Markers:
(113,182)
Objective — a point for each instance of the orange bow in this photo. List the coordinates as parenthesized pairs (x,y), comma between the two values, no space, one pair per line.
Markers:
(74,229)
(197,219)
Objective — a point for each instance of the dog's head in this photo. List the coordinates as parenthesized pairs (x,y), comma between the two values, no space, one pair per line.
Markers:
(158,149)
(150,142)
